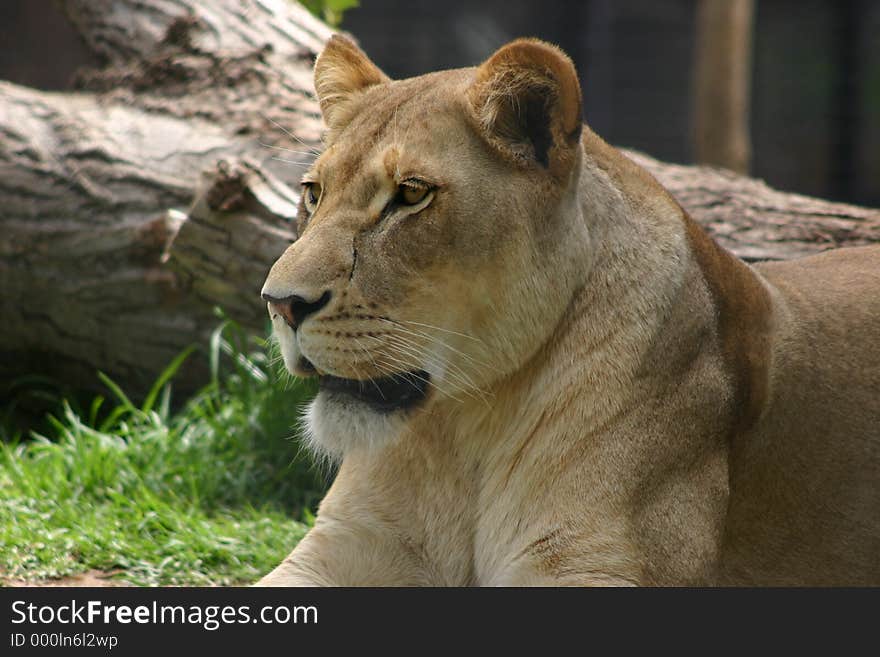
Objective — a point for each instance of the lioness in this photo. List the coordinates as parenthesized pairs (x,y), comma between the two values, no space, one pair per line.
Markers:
(536,369)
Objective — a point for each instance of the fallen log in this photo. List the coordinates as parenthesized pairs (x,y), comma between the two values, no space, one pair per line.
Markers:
(164,186)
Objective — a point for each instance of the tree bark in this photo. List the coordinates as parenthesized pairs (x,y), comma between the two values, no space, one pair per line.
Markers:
(157,190)
(164,186)
(756,222)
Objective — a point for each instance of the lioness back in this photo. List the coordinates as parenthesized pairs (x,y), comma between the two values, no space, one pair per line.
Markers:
(805,506)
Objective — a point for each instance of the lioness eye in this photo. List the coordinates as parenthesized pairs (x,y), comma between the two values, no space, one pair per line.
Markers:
(311,195)
(413,194)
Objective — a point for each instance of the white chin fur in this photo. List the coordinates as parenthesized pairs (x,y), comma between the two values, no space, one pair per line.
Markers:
(334,425)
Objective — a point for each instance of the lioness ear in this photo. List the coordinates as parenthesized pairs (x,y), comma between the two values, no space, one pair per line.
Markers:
(341,70)
(527,100)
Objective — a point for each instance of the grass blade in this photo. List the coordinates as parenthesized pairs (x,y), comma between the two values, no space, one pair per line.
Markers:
(117,391)
(165,377)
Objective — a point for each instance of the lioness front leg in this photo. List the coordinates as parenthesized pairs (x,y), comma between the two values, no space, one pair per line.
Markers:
(566,571)
(540,579)
(335,553)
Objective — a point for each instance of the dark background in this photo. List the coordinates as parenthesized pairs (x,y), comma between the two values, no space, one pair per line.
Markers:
(815,114)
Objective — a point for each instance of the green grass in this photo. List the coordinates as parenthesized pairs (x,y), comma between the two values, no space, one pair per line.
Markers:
(216,492)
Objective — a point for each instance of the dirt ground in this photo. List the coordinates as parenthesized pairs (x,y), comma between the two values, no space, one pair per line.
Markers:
(88,578)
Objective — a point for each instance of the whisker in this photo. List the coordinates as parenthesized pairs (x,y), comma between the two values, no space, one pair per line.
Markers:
(287,150)
(428,381)
(454,373)
(275,147)
(293,162)
(386,370)
(372,361)
(435,339)
(413,351)
(406,376)
(439,328)
(287,132)
(403,342)
(408,366)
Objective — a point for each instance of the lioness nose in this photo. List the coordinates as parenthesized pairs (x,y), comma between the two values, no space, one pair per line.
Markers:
(295,309)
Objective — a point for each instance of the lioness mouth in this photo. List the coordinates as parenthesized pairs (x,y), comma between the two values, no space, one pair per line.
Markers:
(384,395)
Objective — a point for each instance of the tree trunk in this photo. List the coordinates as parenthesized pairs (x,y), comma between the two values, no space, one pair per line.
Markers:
(163,187)
(756,222)
(722,76)
(159,189)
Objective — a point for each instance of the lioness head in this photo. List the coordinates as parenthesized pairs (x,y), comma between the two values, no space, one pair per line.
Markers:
(439,236)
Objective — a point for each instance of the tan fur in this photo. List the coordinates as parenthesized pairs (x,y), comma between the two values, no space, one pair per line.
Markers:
(341,71)
(616,399)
